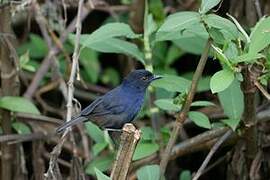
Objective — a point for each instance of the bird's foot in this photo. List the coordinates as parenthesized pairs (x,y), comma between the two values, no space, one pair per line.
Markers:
(110,129)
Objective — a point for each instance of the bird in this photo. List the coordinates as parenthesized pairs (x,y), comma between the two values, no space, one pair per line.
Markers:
(118,106)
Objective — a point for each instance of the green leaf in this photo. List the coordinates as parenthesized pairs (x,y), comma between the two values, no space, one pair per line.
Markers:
(231,51)
(156,7)
(113,45)
(260,36)
(24,62)
(100,175)
(101,163)
(192,44)
(232,123)
(149,172)
(24,58)
(217,35)
(185,175)
(221,56)
(179,21)
(248,57)
(90,63)
(108,31)
(172,83)
(226,27)
(147,133)
(202,103)
(221,80)
(196,30)
(18,104)
(199,119)
(37,47)
(21,128)
(151,25)
(173,54)
(110,76)
(167,105)
(94,132)
(204,84)
(165,132)
(98,147)
(144,149)
(206,5)
(232,100)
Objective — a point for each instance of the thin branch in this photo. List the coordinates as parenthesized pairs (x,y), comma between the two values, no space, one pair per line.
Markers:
(38,118)
(52,173)
(263,91)
(183,114)
(211,153)
(258,8)
(52,52)
(214,164)
(198,142)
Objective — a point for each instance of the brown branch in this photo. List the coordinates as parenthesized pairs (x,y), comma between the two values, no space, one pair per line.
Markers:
(256,164)
(211,153)
(181,117)
(249,114)
(53,170)
(38,163)
(9,87)
(196,143)
(258,8)
(38,118)
(129,139)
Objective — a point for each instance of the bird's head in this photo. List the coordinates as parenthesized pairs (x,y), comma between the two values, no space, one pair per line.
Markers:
(139,79)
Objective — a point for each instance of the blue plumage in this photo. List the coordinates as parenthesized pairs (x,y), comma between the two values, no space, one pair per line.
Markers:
(118,106)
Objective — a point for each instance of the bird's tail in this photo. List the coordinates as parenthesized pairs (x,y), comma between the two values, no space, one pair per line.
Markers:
(70,123)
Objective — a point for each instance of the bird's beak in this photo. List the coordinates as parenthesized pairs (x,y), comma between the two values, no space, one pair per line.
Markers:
(155,77)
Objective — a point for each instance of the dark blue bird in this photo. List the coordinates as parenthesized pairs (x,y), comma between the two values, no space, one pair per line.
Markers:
(118,106)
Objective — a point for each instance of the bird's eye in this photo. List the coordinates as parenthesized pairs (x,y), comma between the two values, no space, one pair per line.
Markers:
(144,78)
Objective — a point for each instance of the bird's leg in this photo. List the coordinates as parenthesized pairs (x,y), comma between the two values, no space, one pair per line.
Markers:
(115,130)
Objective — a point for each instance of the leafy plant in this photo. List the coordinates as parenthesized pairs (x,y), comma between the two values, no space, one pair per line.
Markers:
(149,172)
(18,104)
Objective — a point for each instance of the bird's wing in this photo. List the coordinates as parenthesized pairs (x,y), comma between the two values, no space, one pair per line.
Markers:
(89,109)
(110,103)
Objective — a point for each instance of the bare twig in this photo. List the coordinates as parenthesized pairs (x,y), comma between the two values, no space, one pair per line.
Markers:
(52,173)
(256,164)
(263,91)
(52,52)
(40,118)
(129,139)
(14,138)
(258,8)
(211,153)
(214,164)
(181,117)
